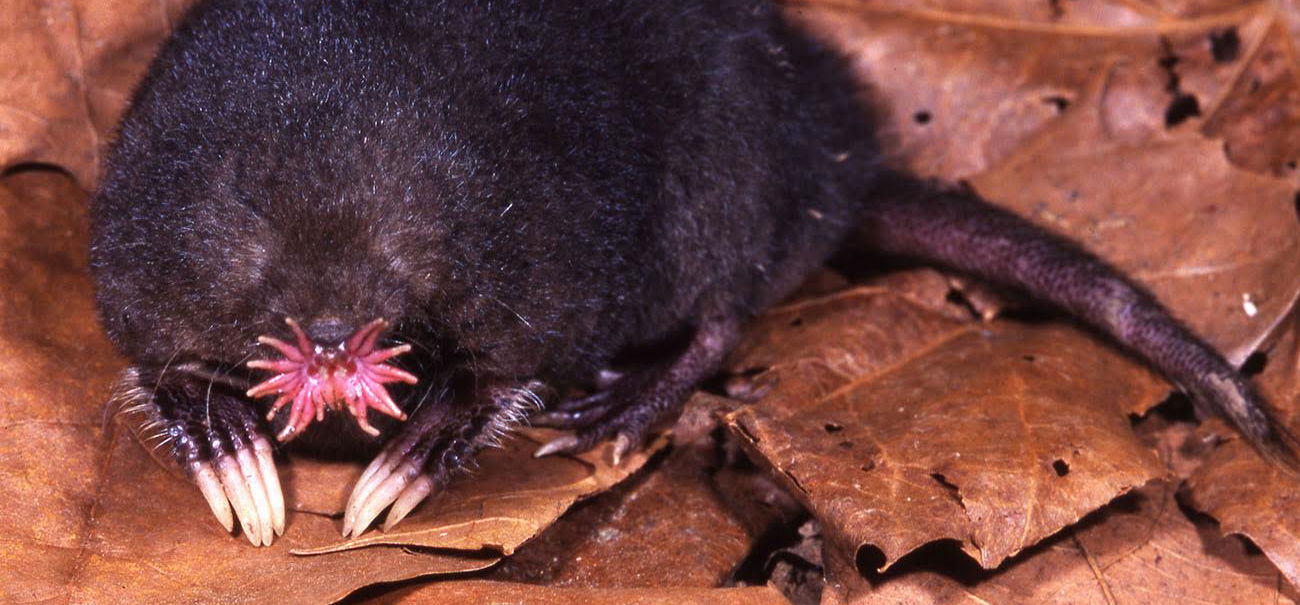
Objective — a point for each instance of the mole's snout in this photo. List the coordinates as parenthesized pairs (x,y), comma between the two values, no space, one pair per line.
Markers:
(313,376)
(328,331)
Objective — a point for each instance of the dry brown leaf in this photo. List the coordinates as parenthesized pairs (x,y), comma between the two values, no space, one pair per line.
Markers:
(1201,210)
(954,75)
(961,84)
(1252,497)
(668,527)
(1247,87)
(1247,494)
(506,502)
(505,593)
(154,540)
(88,523)
(1141,549)
(1221,247)
(1031,100)
(52,362)
(103,523)
(1031,112)
(1193,8)
(151,539)
(899,427)
(68,71)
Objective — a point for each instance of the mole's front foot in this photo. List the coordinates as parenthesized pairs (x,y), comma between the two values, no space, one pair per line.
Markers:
(631,406)
(439,440)
(212,435)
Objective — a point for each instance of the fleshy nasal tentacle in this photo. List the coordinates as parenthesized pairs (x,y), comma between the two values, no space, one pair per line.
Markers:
(377,398)
(362,342)
(392,374)
(312,377)
(304,343)
(279,383)
(291,354)
(386,354)
(280,402)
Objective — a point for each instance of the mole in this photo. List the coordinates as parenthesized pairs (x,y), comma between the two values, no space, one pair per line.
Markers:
(400,229)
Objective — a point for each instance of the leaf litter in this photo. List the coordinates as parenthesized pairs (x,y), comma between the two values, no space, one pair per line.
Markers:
(967,455)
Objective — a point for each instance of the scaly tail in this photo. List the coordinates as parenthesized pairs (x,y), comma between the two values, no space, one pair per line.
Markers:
(928,221)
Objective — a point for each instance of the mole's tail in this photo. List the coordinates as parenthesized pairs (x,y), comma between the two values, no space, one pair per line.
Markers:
(951,227)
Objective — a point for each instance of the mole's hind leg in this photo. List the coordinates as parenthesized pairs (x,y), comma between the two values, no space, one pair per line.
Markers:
(439,440)
(207,431)
(635,401)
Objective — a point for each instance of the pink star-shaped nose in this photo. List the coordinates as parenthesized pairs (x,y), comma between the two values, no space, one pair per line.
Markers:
(314,378)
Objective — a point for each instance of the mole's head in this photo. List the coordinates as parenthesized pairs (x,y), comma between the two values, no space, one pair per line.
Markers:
(258,250)
(306,285)
(244,190)
(338,269)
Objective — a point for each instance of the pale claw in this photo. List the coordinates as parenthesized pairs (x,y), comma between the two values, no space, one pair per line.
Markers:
(232,481)
(383,488)
(378,470)
(266,465)
(257,490)
(412,496)
(565,444)
(213,493)
(247,484)
(430,450)
(622,445)
(572,444)
(606,378)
